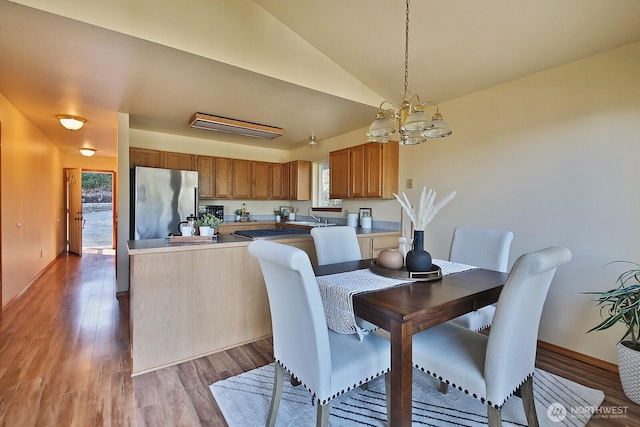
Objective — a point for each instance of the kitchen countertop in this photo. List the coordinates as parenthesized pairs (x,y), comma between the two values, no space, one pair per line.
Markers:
(137,247)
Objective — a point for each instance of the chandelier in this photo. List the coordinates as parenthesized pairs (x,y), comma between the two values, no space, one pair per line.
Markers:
(414,124)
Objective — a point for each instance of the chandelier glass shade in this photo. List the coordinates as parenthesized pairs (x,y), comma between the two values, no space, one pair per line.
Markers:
(412,121)
(87,152)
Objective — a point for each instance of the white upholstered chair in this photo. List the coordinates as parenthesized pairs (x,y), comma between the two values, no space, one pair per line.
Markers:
(484,248)
(335,244)
(326,363)
(491,368)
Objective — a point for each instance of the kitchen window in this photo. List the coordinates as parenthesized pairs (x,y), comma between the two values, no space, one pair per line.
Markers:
(322,190)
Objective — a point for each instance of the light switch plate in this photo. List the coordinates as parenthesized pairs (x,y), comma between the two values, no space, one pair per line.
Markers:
(410,183)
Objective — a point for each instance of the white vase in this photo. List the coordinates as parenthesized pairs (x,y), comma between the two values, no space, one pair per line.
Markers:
(628,368)
(206,230)
(292,216)
(277,218)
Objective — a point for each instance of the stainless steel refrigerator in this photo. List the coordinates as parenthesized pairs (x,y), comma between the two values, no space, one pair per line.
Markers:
(160,200)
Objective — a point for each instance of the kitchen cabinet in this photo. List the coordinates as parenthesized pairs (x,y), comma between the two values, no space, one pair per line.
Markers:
(365,171)
(222,173)
(299,180)
(339,171)
(381,168)
(145,157)
(241,179)
(206,177)
(285,181)
(261,188)
(348,180)
(232,178)
(277,181)
(180,161)
(371,246)
(226,178)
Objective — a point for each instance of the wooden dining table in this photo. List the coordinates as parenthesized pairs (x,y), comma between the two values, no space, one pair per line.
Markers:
(413,307)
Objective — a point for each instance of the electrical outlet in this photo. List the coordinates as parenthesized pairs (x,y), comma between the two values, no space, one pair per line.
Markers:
(409,183)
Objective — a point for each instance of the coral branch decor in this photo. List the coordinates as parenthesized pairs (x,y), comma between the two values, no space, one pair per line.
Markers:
(418,259)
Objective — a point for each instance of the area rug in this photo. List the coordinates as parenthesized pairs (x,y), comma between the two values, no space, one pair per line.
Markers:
(244,401)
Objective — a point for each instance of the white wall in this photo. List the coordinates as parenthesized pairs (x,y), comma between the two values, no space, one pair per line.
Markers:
(32,202)
(552,157)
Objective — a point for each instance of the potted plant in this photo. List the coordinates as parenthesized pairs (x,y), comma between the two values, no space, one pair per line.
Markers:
(622,305)
(207,224)
(277,213)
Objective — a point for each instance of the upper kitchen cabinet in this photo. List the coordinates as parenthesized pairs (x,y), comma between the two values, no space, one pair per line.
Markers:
(206,177)
(299,180)
(340,173)
(347,167)
(232,178)
(364,171)
(161,159)
(145,157)
(381,168)
(278,180)
(261,188)
(241,181)
(222,174)
(181,161)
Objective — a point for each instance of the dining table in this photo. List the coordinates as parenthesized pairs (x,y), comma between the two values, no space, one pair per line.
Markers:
(409,308)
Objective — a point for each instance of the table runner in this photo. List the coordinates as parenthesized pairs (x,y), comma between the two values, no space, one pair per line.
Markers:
(337,291)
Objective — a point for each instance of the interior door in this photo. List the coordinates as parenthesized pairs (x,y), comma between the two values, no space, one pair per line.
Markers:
(74,215)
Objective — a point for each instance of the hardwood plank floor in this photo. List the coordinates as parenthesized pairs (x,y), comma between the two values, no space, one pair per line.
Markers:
(64,361)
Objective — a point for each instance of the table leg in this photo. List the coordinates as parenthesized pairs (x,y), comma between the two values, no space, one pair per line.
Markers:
(401,374)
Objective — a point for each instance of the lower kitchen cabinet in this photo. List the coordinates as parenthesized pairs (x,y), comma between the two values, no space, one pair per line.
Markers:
(371,246)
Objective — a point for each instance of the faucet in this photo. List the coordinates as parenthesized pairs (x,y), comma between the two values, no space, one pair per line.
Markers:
(313,216)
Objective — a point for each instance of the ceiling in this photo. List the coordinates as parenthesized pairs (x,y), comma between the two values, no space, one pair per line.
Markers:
(52,64)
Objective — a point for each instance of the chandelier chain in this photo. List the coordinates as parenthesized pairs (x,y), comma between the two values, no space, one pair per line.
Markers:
(406,53)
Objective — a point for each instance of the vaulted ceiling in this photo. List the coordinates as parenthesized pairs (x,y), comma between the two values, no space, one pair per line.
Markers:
(305,65)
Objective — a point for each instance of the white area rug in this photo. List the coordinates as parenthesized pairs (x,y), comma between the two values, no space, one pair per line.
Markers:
(244,401)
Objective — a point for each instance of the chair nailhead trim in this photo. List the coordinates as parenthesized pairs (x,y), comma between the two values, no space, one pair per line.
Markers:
(324,402)
(483,400)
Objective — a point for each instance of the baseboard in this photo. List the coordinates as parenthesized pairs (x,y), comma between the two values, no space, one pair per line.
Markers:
(579,356)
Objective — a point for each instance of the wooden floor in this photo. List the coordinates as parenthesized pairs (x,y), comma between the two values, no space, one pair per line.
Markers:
(64,361)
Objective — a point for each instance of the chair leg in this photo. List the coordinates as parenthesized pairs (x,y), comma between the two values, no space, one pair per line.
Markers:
(276,394)
(322,419)
(495,417)
(529,403)
(444,387)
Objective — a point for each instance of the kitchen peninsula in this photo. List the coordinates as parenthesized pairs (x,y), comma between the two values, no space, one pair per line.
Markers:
(188,300)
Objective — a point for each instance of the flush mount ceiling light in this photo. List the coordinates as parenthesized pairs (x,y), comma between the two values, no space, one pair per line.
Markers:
(415,126)
(312,140)
(71,122)
(238,127)
(87,152)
